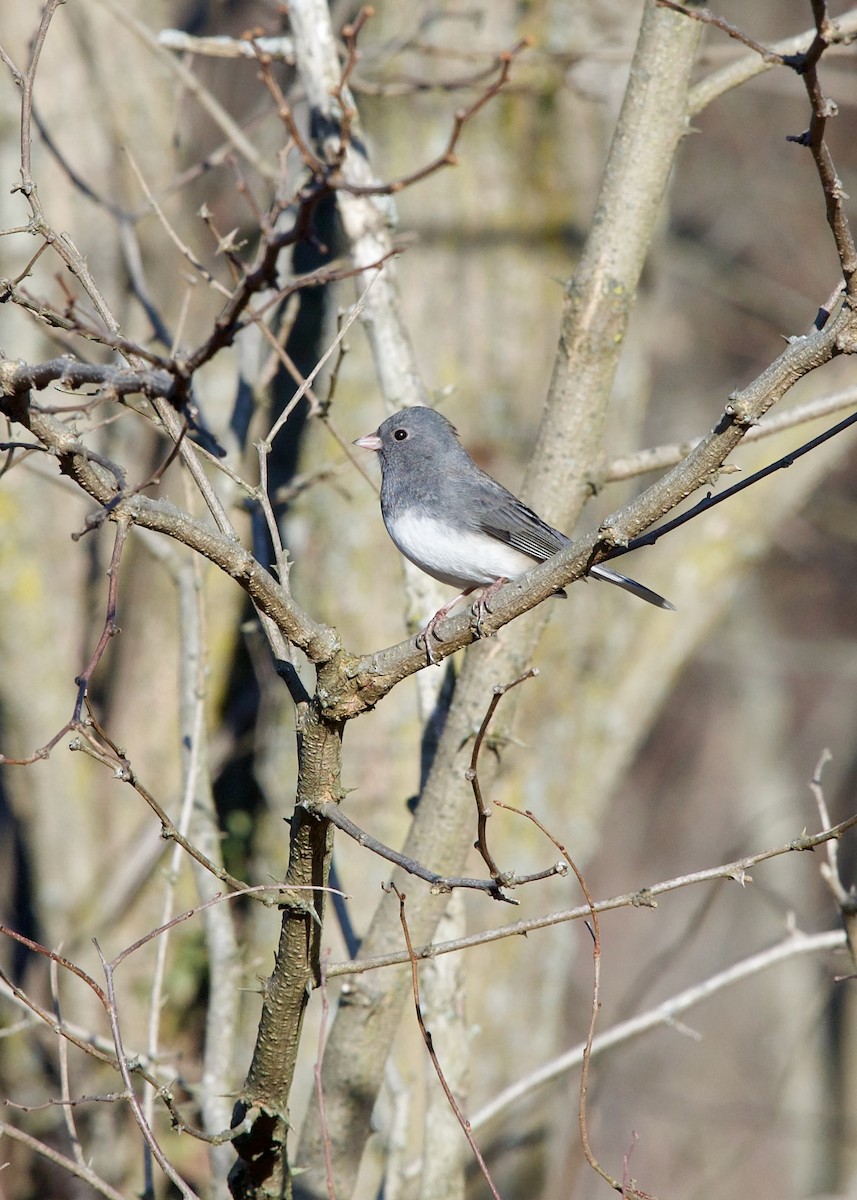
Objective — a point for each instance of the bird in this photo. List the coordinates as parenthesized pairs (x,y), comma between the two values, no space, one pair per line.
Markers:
(455,522)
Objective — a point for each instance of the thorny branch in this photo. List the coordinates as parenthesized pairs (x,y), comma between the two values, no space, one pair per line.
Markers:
(646,897)
(627,1189)
(845,897)
(134,1064)
(349,687)
(805,64)
(110,627)
(472,775)
(331,812)
(106,751)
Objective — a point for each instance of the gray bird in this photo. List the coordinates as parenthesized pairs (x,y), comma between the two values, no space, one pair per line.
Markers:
(454,521)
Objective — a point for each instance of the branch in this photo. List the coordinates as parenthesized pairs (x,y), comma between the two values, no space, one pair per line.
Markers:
(595,1006)
(793,946)
(805,64)
(163,1162)
(709,502)
(76,461)
(822,109)
(719,82)
(658,458)
(372,677)
(646,897)
(447,157)
(18,378)
(207,101)
(328,811)
(472,775)
(845,897)
(90,1044)
(706,17)
(75,1169)
(279,49)
(110,627)
(429,1045)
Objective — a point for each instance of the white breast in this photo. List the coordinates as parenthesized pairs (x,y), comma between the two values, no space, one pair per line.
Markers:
(462,559)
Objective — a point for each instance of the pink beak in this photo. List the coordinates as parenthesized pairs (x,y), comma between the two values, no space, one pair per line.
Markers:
(369,441)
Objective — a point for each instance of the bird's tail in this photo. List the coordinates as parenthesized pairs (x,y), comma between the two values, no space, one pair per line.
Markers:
(630,585)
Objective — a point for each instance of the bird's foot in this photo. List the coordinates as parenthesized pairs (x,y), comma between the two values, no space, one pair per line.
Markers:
(481,608)
(425,636)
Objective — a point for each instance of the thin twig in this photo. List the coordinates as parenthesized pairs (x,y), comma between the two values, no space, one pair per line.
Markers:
(59,959)
(750,65)
(145,1128)
(472,774)
(75,1169)
(447,157)
(313,163)
(595,1006)
(27,81)
(664,1014)
(110,629)
(805,64)
(122,769)
(644,898)
(91,1044)
(227,125)
(192,738)
(62,1054)
(177,241)
(707,17)
(356,310)
(845,897)
(328,810)
(427,1039)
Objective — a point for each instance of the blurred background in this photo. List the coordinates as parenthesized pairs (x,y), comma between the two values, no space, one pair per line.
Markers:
(651,744)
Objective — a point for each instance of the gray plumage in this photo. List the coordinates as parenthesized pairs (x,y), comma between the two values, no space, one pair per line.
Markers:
(452,519)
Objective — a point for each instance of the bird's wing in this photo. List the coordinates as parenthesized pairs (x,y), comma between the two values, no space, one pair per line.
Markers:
(510,521)
(504,517)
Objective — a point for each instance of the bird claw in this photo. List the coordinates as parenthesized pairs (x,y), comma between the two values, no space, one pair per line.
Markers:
(425,636)
(480,611)
(481,608)
(424,639)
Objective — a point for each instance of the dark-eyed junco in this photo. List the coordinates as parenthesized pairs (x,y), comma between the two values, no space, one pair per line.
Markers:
(455,522)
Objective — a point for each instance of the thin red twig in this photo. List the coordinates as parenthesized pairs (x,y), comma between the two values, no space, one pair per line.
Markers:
(130,1095)
(447,157)
(110,629)
(472,773)
(617,1185)
(427,1039)
(822,109)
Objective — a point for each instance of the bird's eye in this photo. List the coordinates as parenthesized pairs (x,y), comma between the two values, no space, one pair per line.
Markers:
(400,434)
